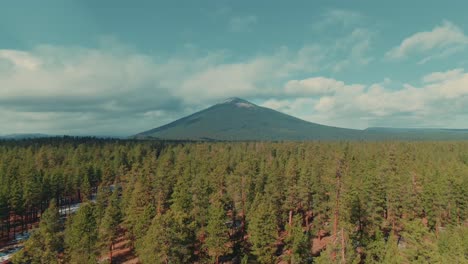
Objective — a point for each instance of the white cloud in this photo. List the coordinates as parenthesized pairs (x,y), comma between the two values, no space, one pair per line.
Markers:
(242,23)
(315,86)
(114,86)
(280,105)
(325,103)
(294,106)
(440,101)
(80,73)
(308,58)
(20,59)
(443,76)
(54,89)
(356,45)
(351,50)
(446,38)
(228,80)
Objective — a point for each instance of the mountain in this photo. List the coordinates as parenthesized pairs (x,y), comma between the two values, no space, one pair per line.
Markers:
(238,119)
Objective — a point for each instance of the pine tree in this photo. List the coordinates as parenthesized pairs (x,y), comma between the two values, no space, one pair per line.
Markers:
(375,250)
(85,188)
(297,242)
(109,227)
(392,254)
(453,245)
(263,230)
(102,200)
(419,243)
(165,241)
(217,240)
(45,242)
(81,236)
(140,209)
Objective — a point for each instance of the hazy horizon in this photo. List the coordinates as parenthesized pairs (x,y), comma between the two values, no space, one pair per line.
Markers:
(219,102)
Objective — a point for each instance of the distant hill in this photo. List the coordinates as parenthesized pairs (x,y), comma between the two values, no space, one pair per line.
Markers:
(417,130)
(419,133)
(24,136)
(237,119)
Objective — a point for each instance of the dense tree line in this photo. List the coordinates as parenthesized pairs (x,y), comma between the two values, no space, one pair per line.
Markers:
(254,202)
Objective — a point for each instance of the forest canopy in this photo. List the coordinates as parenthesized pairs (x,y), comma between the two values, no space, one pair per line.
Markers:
(252,202)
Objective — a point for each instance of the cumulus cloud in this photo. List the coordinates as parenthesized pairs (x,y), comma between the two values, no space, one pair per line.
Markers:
(325,103)
(82,75)
(75,90)
(445,39)
(440,100)
(228,80)
(19,59)
(242,23)
(294,106)
(349,50)
(356,46)
(316,86)
(443,76)
(56,89)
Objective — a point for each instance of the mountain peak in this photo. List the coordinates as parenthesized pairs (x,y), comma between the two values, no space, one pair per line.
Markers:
(238,102)
(233,100)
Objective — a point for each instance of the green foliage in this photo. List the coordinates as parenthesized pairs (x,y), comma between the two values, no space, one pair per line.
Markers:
(217,241)
(81,236)
(45,242)
(263,231)
(297,242)
(392,254)
(102,199)
(139,211)
(418,244)
(181,202)
(453,245)
(167,240)
(109,226)
(376,249)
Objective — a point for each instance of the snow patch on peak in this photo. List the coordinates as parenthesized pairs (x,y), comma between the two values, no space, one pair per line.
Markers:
(245,105)
(231,100)
(238,102)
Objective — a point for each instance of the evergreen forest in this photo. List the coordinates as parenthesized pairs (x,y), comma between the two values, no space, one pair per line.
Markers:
(235,202)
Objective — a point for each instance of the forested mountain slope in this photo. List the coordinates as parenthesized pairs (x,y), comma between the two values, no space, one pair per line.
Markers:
(237,119)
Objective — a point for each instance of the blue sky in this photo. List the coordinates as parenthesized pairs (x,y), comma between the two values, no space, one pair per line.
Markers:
(121,67)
